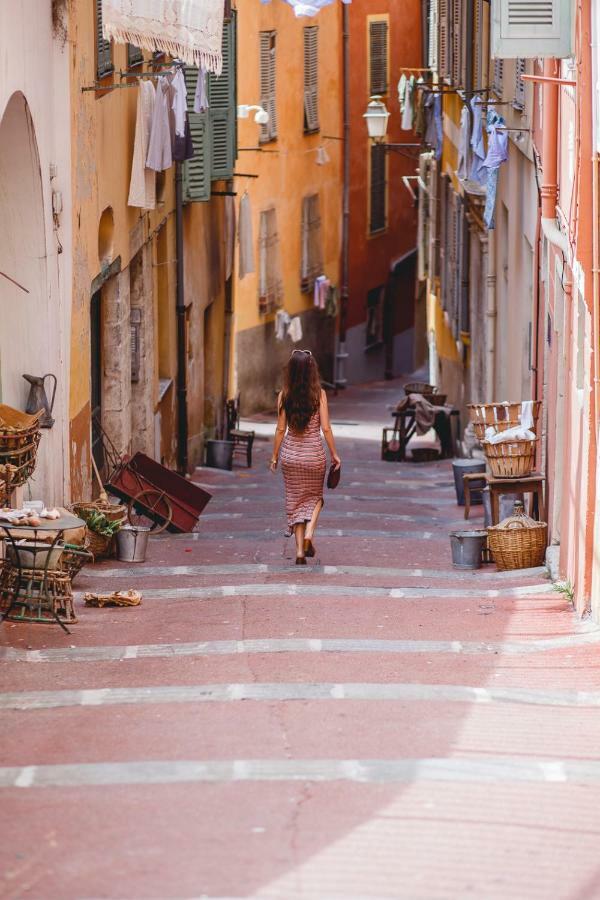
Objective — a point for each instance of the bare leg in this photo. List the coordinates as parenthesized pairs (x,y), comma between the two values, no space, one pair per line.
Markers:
(299,531)
(312,525)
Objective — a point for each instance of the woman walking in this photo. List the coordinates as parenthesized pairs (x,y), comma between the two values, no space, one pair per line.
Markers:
(303,413)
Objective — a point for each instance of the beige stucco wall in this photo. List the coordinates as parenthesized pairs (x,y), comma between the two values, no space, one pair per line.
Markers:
(35,160)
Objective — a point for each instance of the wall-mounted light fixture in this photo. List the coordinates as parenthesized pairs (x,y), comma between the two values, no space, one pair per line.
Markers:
(261,116)
(376,117)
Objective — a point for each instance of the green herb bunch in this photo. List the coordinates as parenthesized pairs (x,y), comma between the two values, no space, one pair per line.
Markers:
(96,521)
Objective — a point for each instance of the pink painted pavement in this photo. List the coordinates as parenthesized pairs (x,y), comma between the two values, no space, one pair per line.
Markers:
(128,787)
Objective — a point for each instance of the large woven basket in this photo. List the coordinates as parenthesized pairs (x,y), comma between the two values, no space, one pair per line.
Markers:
(510,459)
(19,440)
(418,387)
(500,416)
(518,542)
(101,546)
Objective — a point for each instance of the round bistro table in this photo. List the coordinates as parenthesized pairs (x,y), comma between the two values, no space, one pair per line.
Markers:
(37,589)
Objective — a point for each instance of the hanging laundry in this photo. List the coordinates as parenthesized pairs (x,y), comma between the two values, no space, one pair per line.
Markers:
(415,100)
(322,284)
(179,101)
(462,168)
(201,95)
(295,329)
(307,9)
(183,147)
(142,187)
(407,116)
(189,31)
(402,91)
(478,170)
(282,323)
(229,235)
(246,253)
(331,306)
(496,155)
(433,123)
(160,154)
(419,123)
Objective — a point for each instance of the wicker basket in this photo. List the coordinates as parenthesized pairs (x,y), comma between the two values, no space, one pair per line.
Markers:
(418,387)
(100,545)
(510,459)
(499,415)
(518,542)
(18,448)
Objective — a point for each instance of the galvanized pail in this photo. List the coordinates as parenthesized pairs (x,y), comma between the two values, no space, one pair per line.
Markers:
(466,548)
(460,467)
(132,541)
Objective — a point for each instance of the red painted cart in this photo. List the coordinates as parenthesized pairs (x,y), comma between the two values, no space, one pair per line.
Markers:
(155,496)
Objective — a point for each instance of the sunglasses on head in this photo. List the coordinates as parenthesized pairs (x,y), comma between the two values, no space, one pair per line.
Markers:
(307,352)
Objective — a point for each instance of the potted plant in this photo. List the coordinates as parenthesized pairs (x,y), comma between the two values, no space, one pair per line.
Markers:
(102,530)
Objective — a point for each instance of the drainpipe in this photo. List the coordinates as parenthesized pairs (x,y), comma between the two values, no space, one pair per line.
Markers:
(341,354)
(549,188)
(490,317)
(182,418)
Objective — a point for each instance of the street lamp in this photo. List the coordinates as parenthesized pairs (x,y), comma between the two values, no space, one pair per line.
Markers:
(376,117)
(261,117)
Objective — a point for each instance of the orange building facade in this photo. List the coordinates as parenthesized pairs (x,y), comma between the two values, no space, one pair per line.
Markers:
(385,39)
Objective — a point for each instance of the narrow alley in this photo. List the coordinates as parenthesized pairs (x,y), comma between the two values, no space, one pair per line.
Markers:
(375,725)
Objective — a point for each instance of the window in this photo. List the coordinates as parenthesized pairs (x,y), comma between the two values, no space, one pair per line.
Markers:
(498,82)
(378,57)
(270,285)
(311,84)
(312,253)
(444,49)
(377,191)
(214,131)
(104,63)
(519,101)
(374,336)
(531,28)
(268,132)
(457,42)
(480,45)
(135,56)
(432,34)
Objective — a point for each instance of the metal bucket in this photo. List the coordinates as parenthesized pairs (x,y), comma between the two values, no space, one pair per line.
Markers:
(460,467)
(219,454)
(467,548)
(132,542)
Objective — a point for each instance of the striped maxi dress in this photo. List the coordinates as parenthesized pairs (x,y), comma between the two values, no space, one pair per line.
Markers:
(303,465)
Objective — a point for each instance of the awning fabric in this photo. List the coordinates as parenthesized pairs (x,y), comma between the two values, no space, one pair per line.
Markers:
(190,30)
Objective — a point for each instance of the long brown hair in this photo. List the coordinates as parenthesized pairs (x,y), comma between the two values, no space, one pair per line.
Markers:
(301,393)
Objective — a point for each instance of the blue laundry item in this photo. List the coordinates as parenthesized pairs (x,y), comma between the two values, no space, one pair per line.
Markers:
(307,9)
(463,144)
(490,200)
(478,170)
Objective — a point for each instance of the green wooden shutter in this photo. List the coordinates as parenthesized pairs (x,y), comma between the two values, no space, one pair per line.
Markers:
(378,57)
(222,109)
(197,171)
(104,63)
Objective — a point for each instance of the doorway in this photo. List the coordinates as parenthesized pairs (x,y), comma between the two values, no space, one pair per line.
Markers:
(96,379)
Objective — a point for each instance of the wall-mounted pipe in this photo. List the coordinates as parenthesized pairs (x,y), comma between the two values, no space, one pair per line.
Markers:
(182,414)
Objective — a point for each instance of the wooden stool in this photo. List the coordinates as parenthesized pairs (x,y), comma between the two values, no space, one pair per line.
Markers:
(530,484)
(468,479)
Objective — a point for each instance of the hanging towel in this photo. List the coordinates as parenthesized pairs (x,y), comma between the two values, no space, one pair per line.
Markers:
(246,256)
(295,329)
(142,187)
(229,228)
(282,323)
(160,154)
(179,101)
(183,146)
(407,115)
(463,144)
(190,30)
(201,95)
(478,171)
(526,418)
(420,123)
(402,91)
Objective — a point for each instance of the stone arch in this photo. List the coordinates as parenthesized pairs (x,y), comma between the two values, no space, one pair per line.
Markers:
(24,344)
